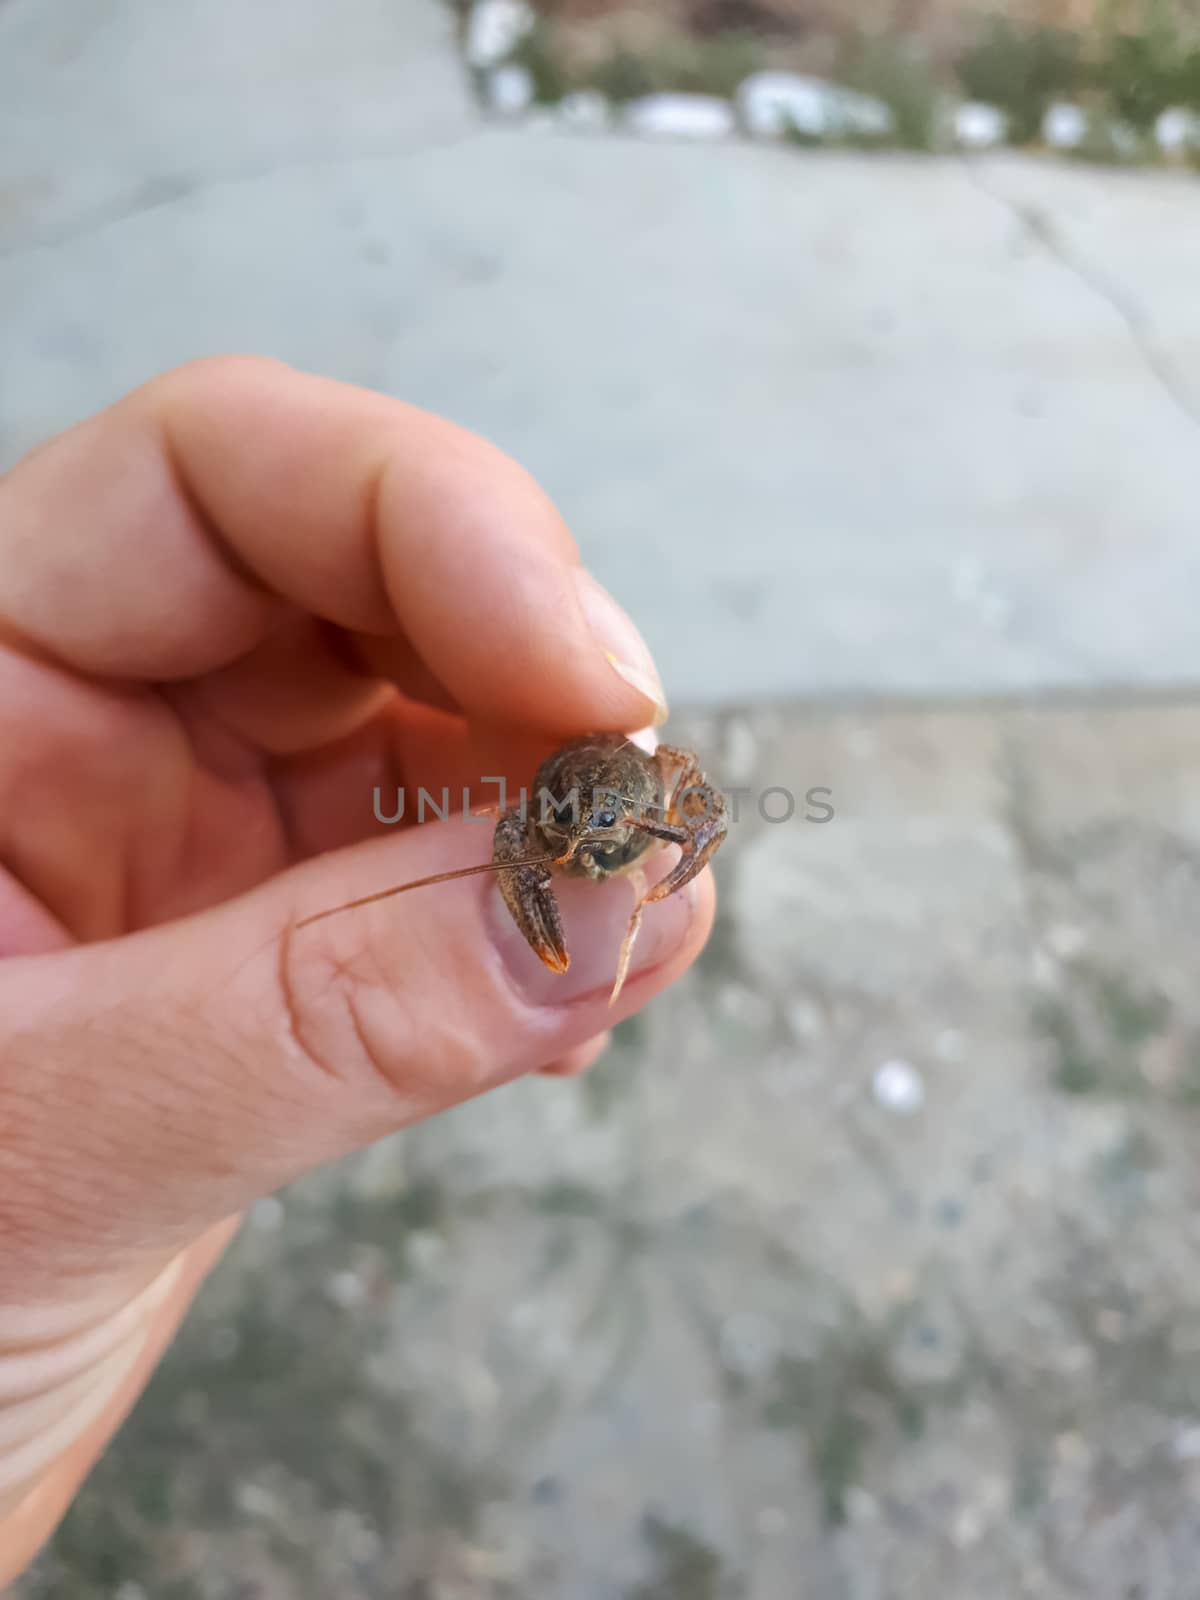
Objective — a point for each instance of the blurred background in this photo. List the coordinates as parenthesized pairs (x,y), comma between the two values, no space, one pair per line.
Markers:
(861,349)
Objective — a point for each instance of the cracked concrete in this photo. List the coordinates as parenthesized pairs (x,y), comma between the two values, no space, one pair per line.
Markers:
(1044,227)
(719,1320)
(854,415)
(113,108)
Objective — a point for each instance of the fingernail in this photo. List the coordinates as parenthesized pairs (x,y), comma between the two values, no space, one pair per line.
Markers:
(595,917)
(626,652)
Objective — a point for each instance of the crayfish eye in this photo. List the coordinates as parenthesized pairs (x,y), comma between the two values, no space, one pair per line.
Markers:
(606,819)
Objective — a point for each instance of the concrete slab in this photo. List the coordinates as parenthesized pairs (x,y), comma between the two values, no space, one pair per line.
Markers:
(827,424)
(114,107)
(721,1319)
(1129,237)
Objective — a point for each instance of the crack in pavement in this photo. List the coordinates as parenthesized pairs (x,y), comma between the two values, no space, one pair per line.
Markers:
(162,190)
(1039,226)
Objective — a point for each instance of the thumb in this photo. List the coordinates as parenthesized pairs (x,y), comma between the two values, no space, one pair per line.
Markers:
(156,1084)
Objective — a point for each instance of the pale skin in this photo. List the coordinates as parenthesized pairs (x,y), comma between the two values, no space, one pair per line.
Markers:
(229,606)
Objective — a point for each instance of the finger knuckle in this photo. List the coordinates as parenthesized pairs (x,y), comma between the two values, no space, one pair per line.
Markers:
(344,1017)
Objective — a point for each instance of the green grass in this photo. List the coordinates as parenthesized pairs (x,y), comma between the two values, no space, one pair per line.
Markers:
(898,72)
(684,1567)
(1022,70)
(713,65)
(538,52)
(1143,69)
(1128,67)
(829,1397)
(1097,1028)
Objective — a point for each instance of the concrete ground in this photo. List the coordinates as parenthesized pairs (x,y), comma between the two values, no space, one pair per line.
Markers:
(855,424)
(866,1266)
(742,1314)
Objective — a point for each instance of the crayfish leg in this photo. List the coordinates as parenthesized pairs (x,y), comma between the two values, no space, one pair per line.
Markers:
(641,899)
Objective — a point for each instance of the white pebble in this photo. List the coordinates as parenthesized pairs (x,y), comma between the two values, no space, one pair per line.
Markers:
(510,89)
(1066,941)
(968,1528)
(252,1500)
(773,104)
(267,1214)
(861,1506)
(978,126)
(585,110)
(494,30)
(1177,130)
(424,1249)
(899,1087)
(1186,1446)
(1064,127)
(346,1289)
(680,116)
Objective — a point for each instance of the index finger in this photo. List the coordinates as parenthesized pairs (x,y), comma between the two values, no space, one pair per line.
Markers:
(164,537)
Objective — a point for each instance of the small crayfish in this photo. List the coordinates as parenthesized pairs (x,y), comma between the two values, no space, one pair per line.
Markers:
(600,805)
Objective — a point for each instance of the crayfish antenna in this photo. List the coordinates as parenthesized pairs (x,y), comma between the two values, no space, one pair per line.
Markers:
(423,883)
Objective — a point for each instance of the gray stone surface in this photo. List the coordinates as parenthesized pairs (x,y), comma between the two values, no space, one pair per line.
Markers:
(715,1323)
(829,424)
(113,107)
(1130,238)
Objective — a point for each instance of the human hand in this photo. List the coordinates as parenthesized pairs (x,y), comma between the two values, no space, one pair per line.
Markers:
(230,606)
